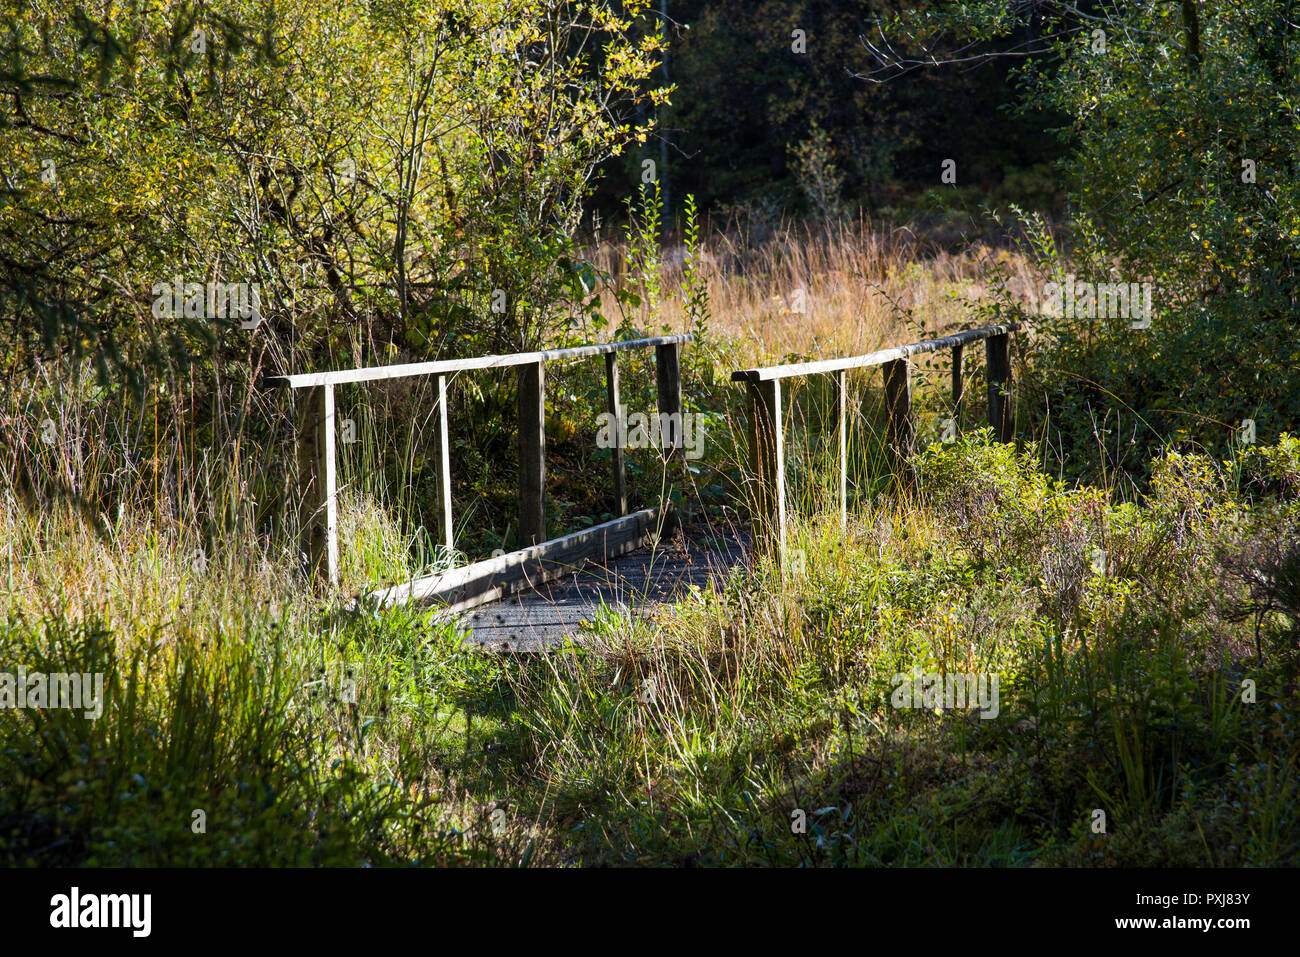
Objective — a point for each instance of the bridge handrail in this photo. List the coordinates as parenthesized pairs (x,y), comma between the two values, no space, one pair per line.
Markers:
(767,424)
(306,380)
(318,481)
(767,373)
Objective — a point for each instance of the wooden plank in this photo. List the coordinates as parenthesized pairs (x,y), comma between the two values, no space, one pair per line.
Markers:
(767,461)
(308,380)
(1001,413)
(618,457)
(871,358)
(841,413)
(318,506)
(668,382)
(902,432)
(532,454)
(444,466)
(494,578)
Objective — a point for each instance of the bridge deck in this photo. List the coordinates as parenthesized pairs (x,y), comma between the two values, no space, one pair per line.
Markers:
(635,583)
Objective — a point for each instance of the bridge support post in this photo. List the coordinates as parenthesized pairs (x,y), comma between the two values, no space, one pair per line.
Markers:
(444,466)
(532,454)
(958,383)
(767,460)
(668,375)
(612,406)
(902,433)
(841,410)
(317,497)
(1001,415)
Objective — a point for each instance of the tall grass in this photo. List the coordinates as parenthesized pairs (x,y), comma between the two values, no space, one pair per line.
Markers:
(696,736)
(844,288)
(156,542)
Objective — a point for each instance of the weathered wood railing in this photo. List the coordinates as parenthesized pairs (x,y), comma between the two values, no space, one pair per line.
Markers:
(767,443)
(538,559)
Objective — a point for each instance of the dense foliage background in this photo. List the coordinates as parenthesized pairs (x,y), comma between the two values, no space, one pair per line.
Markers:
(780,109)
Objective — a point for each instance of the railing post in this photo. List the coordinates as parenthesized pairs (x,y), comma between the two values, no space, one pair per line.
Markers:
(317,497)
(898,402)
(767,460)
(668,375)
(1001,414)
(841,408)
(612,406)
(444,466)
(532,453)
(958,382)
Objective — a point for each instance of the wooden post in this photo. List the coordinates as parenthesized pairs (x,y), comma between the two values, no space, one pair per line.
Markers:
(532,454)
(841,408)
(668,375)
(1001,414)
(444,466)
(318,506)
(767,460)
(898,402)
(958,382)
(612,406)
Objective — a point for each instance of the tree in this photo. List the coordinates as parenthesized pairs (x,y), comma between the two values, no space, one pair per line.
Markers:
(382,172)
(1185,172)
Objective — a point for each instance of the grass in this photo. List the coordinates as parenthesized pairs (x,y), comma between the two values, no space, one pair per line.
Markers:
(696,738)
(1145,643)
(841,289)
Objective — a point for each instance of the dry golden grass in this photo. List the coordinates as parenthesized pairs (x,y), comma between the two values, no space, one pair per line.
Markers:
(144,563)
(140,574)
(843,290)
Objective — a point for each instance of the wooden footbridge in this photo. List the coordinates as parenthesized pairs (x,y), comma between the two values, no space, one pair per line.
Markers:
(543,592)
